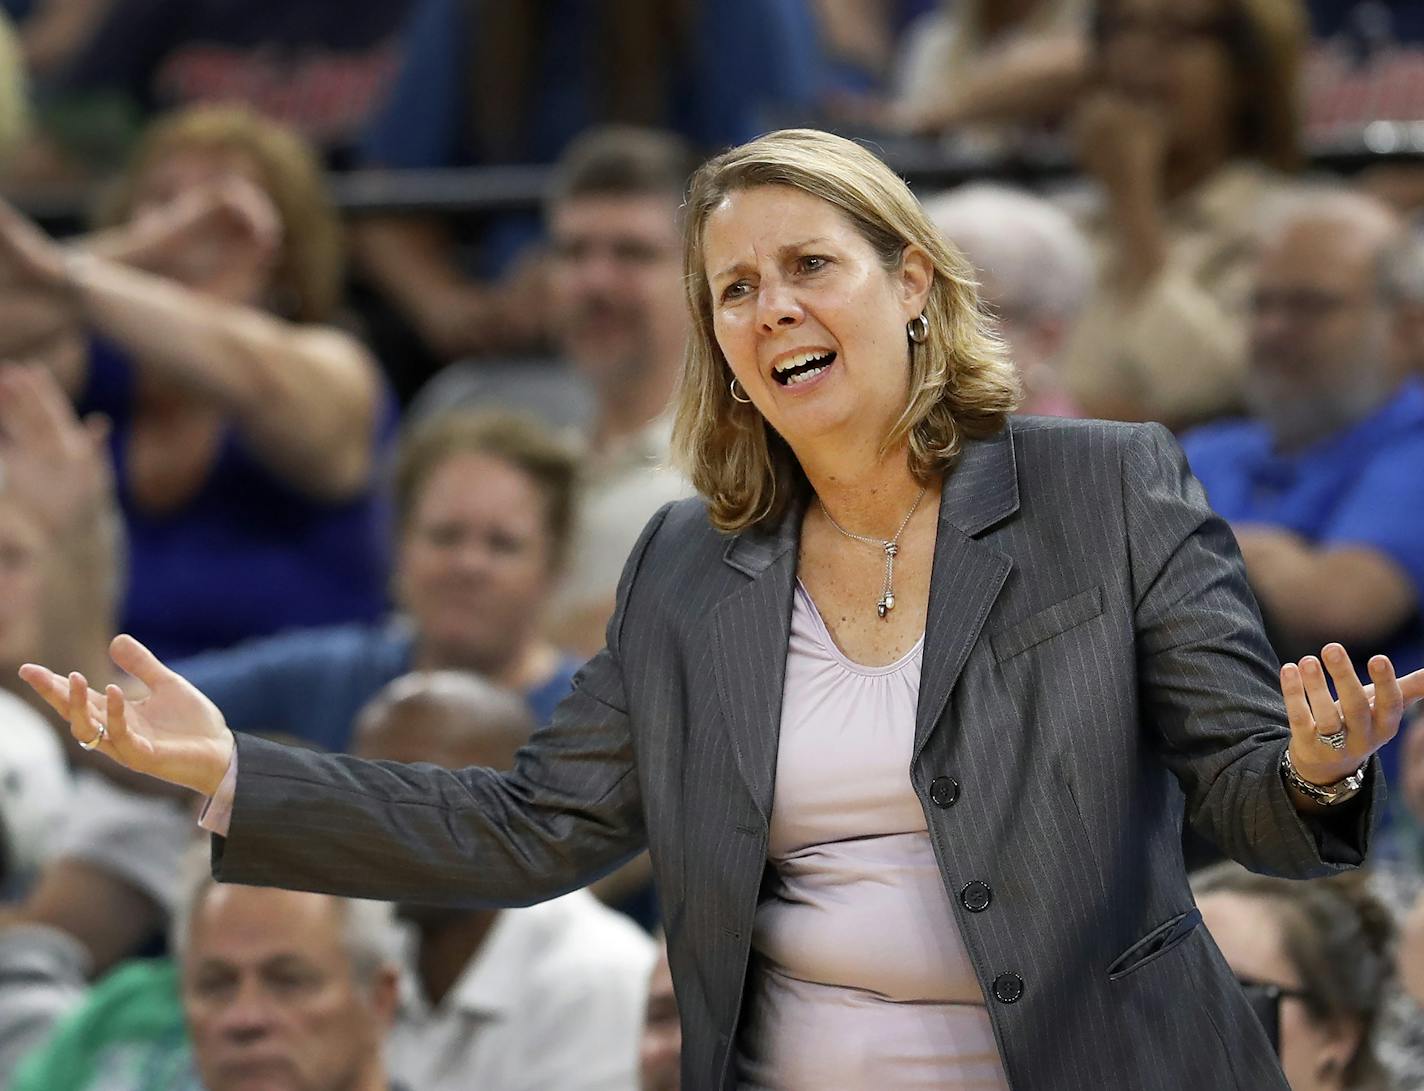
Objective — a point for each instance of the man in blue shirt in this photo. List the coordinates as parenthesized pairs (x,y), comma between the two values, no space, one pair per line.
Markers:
(1324,485)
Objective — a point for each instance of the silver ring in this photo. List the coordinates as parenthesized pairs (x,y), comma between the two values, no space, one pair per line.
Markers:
(1335,740)
(93,744)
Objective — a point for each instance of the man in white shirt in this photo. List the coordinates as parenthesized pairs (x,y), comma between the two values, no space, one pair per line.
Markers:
(549,996)
(616,309)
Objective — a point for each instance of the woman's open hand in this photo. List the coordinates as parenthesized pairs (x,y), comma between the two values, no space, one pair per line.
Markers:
(1358,723)
(175,733)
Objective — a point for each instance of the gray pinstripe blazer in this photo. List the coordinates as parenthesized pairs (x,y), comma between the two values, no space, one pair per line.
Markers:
(1092,653)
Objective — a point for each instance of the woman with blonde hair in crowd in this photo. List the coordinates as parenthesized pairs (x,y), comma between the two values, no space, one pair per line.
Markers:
(903,704)
(1189,127)
(246,427)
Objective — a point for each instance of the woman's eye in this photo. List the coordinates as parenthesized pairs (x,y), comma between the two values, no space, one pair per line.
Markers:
(734,290)
(813,262)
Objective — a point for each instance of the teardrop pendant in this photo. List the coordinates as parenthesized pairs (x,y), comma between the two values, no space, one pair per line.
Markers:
(881,607)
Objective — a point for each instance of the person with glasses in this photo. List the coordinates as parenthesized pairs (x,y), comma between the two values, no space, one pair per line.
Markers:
(1314,961)
(1188,123)
(1322,483)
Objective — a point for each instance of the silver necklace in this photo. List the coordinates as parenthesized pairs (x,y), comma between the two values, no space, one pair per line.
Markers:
(891,546)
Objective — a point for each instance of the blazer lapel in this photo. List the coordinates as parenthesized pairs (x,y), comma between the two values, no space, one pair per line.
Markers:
(751,630)
(980,491)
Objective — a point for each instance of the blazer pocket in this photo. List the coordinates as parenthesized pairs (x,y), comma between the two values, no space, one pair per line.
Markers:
(1047,623)
(1155,944)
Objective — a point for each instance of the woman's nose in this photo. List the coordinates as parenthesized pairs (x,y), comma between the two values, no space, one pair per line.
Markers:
(777,306)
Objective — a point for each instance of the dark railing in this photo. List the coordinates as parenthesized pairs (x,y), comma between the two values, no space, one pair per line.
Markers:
(926,165)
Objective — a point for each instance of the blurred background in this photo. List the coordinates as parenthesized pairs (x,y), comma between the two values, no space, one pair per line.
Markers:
(336,349)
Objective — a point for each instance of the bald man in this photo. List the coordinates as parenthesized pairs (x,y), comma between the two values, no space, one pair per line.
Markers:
(1324,484)
(508,1000)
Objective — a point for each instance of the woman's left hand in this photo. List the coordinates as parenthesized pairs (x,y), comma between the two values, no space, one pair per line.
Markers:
(1366,715)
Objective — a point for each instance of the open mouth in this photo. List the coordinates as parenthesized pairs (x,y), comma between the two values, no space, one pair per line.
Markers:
(802,368)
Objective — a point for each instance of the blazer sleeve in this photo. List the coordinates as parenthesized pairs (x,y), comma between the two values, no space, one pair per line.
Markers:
(1209,681)
(569,811)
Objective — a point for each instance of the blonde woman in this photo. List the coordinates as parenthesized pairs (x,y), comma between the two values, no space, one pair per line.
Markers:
(246,425)
(901,705)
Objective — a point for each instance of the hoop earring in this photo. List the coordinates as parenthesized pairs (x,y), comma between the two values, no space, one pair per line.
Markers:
(918,329)
(732,386)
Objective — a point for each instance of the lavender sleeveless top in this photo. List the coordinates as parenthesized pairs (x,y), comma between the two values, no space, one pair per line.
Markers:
(862,980)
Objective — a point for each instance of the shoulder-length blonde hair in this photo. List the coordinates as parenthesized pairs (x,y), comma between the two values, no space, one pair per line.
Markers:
(962,385)
(308,279)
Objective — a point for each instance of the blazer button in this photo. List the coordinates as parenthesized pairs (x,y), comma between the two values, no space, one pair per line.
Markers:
(944,791)
(1008,988)
(975,897)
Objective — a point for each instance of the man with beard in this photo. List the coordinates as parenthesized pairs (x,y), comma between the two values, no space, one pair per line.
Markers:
(1324,484)
(615,301)
(548,996)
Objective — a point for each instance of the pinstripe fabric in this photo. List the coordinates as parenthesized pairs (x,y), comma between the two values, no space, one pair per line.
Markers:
(1092,654)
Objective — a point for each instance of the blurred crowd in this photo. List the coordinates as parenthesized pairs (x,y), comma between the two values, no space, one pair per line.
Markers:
(368,477)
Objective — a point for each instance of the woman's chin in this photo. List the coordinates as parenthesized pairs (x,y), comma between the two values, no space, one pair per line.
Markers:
(825,421)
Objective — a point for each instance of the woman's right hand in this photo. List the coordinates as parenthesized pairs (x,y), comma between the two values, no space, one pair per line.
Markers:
(175,733)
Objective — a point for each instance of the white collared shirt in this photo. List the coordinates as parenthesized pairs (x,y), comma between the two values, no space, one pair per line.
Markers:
(554,998)
(620,489)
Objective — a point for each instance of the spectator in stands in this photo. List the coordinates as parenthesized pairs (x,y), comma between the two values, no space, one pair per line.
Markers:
(1035,272)
(287,986)
(988,69)
(1314,957)
(514,82)
(58,525)
(317,68)
(268,988)
(1322,485)
(1400,1042)
(548,996)
(660,1049)
(105,893)
(35,787)
(484,510)
(247,432)
(89,866)
(57,538)
(1192,117)
(616,309)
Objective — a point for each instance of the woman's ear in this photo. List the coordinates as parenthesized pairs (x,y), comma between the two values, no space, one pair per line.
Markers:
(1343,1041)
(916,277)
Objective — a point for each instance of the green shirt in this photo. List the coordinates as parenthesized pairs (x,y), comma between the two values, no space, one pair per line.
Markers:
(129,1035)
